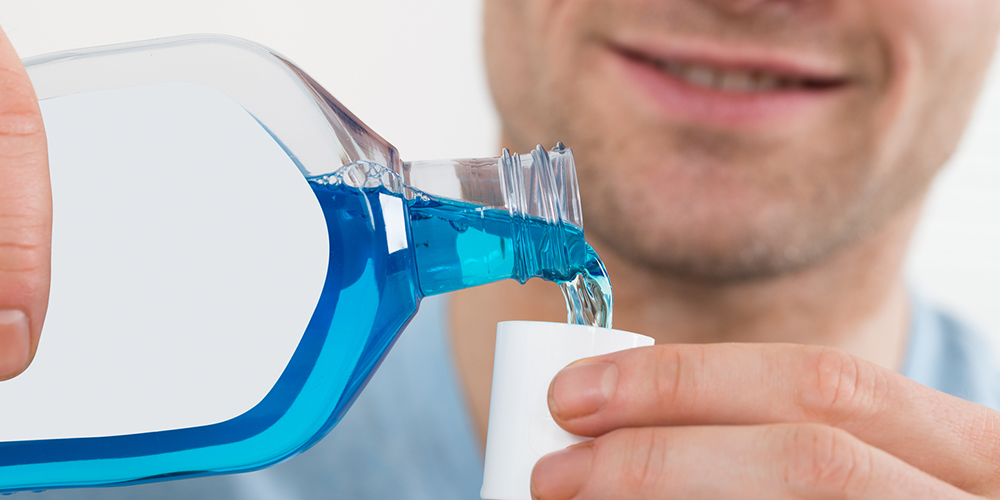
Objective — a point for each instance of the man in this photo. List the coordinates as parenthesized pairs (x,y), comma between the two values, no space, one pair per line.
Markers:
(751,171)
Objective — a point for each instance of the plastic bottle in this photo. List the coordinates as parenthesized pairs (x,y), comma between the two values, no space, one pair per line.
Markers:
(399,231)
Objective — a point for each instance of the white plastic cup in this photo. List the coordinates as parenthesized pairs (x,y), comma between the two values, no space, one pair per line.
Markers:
(521,430)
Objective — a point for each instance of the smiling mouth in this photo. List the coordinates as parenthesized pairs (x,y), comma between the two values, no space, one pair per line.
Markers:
(734,87)
(733,79)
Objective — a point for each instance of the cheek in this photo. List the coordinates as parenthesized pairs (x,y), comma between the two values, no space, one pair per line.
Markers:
(938,26)
(534,51)
(940,52)
(511,44)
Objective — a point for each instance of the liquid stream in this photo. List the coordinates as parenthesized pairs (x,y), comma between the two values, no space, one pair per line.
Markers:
(588,299)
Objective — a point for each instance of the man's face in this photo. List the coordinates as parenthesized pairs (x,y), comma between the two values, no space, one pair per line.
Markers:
(738,139)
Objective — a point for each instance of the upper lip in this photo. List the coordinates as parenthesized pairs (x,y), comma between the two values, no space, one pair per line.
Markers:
(813,71)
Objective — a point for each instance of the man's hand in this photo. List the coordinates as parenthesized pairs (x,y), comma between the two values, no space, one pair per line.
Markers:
(733,421)
(25,216)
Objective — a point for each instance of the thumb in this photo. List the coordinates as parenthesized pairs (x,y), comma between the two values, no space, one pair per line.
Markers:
(25,216)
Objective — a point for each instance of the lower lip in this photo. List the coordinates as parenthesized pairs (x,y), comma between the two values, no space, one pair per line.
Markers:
(679,99)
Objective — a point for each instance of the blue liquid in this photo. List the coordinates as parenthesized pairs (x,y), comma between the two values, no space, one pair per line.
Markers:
(370,293)
(386,253)
(461,245)
(376,281)
(374,287)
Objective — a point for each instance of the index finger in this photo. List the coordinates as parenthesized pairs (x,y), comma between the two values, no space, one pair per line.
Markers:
(25,216)
(751,384)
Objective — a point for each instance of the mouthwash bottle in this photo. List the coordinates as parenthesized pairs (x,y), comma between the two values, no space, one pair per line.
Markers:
(398,232)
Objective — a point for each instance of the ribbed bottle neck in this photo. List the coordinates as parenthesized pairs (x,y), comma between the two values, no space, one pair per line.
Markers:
(535,218)
(542,195)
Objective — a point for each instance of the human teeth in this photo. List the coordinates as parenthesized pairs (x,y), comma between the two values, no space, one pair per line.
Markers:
(700,75)
(766,81)
(727,80)
(738,81)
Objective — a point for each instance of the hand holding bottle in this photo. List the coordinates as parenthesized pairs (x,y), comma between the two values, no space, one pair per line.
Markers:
(25,216)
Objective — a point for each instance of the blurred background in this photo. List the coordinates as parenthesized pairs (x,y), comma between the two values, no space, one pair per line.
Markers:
(414,72)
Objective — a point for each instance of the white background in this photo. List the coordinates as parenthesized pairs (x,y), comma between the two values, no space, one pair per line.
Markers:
(413,71)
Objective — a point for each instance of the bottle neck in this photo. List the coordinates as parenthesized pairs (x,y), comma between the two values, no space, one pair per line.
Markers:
(542,184)
(485,220)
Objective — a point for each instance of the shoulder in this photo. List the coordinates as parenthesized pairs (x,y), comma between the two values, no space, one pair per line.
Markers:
(947,354)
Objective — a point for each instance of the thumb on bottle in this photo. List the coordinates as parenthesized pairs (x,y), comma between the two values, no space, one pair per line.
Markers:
(25,216)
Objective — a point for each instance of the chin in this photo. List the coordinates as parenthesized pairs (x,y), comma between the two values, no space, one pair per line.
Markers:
(719,242)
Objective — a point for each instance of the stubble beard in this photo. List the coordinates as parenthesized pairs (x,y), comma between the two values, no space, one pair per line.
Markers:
(700,236)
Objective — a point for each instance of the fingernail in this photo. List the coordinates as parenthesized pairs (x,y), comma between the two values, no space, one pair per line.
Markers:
(15,342)
(560,475)
(579,390)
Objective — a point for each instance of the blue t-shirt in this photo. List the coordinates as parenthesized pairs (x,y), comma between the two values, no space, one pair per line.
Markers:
(410,436)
